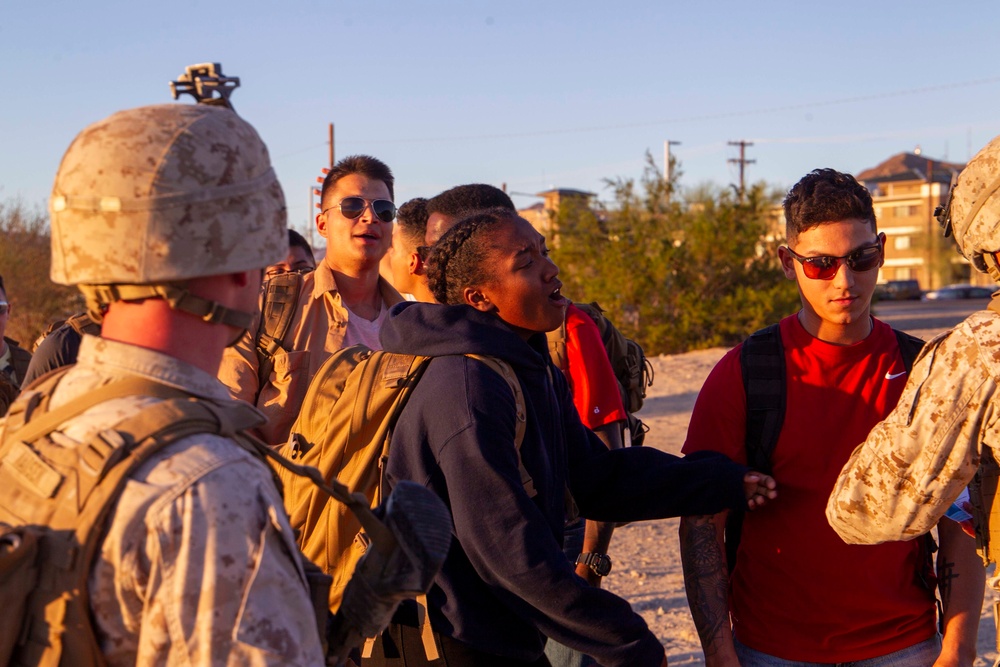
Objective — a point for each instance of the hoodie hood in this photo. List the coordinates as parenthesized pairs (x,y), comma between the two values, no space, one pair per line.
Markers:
(434,330)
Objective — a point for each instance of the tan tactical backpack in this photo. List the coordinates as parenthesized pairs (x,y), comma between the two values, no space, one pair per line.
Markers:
(344,429)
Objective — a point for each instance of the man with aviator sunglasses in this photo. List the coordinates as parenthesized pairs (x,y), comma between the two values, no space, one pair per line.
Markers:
(796,593)
(342,303)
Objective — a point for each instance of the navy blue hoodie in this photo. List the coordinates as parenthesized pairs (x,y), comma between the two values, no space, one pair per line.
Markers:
(506,581)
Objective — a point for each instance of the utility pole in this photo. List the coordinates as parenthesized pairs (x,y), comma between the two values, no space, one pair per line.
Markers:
(666,158)
(742,161)
(331,146)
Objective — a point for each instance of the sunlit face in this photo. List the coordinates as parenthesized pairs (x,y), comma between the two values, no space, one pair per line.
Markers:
(363,241)
(838,309)
(297,260)
(523,288)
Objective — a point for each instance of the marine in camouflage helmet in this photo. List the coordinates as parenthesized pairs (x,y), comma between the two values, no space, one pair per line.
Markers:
(150,197)
(973,210)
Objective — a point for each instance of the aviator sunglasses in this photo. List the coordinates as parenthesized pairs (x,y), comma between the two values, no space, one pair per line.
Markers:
(825,267)
(352,207)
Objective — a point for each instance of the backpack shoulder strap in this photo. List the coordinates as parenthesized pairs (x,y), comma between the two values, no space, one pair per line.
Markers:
(281,296)
(504,370)
(557,345)
(762,360)
(131,386)
(83,323)
(909,348)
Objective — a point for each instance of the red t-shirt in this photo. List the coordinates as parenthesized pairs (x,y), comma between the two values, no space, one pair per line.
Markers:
(798,591)
(589,372)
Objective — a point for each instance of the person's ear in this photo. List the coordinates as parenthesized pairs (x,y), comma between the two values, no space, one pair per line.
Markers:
(321,224)
(475,297)
(416,265)
(787,262)
(881,242)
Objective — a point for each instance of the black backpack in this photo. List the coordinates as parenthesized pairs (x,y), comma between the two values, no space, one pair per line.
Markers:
(762,360)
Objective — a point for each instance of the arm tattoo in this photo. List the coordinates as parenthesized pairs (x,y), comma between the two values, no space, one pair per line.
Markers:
(706,580)
(946,575)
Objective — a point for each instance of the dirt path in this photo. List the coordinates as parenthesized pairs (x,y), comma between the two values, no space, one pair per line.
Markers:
(647,569)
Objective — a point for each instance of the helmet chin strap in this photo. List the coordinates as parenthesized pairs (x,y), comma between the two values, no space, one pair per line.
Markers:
(992,265)
(99,296)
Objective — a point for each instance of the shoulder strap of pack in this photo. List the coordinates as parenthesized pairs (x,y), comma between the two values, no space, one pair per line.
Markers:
(557,345)
(504,370)
(909,348)
(83,323)
(132,386)
(281,296)
(762,360)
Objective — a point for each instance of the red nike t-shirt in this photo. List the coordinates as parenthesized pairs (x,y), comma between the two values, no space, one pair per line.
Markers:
(591,378)
(798,591)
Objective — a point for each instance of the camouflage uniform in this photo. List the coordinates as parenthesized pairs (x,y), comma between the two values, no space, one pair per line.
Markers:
(316,331)
(903,478)
(197,565)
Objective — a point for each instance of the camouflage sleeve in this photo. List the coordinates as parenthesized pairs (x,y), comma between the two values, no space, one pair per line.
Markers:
(915,463)
(208,575)
(238,370)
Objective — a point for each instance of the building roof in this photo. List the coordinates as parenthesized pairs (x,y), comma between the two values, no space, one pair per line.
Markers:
(909,167)
(566,192)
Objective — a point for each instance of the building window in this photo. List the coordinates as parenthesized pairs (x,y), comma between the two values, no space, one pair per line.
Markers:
(906,211)
(901,242)
(904,273)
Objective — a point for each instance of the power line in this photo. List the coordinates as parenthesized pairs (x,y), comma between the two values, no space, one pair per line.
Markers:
(680,119)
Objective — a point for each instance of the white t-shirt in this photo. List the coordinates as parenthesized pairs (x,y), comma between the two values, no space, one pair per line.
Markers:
(365,332)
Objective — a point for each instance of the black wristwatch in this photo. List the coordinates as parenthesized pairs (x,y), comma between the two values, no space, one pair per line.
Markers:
(599,563)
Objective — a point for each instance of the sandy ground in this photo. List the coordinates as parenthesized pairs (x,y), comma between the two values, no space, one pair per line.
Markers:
(647,564)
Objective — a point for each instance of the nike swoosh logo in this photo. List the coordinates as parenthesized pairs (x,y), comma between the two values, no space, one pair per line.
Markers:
(893,376)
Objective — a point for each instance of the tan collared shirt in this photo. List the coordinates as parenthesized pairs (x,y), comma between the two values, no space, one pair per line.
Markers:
(197,566)
(317,331)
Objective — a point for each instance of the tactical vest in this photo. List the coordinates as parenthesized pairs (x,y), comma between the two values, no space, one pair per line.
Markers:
(57,500)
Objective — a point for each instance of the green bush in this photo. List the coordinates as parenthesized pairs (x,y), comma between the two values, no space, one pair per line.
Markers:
(673,274)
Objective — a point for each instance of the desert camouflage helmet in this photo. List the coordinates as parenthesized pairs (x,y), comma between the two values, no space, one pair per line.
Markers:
(973,210)
(165,193)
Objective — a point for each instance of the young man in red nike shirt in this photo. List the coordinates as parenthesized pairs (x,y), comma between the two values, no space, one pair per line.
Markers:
(798,594)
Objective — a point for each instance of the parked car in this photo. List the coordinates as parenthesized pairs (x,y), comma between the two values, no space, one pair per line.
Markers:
(898,290)
(965,291)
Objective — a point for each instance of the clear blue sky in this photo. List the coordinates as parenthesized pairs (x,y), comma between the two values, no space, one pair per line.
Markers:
(533,94)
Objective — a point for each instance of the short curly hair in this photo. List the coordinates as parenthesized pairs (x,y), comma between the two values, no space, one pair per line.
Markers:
(460,258)
(412,220)
(826,195)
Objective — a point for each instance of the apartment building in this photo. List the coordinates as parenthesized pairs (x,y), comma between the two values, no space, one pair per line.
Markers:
(906,188)
(542,214)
